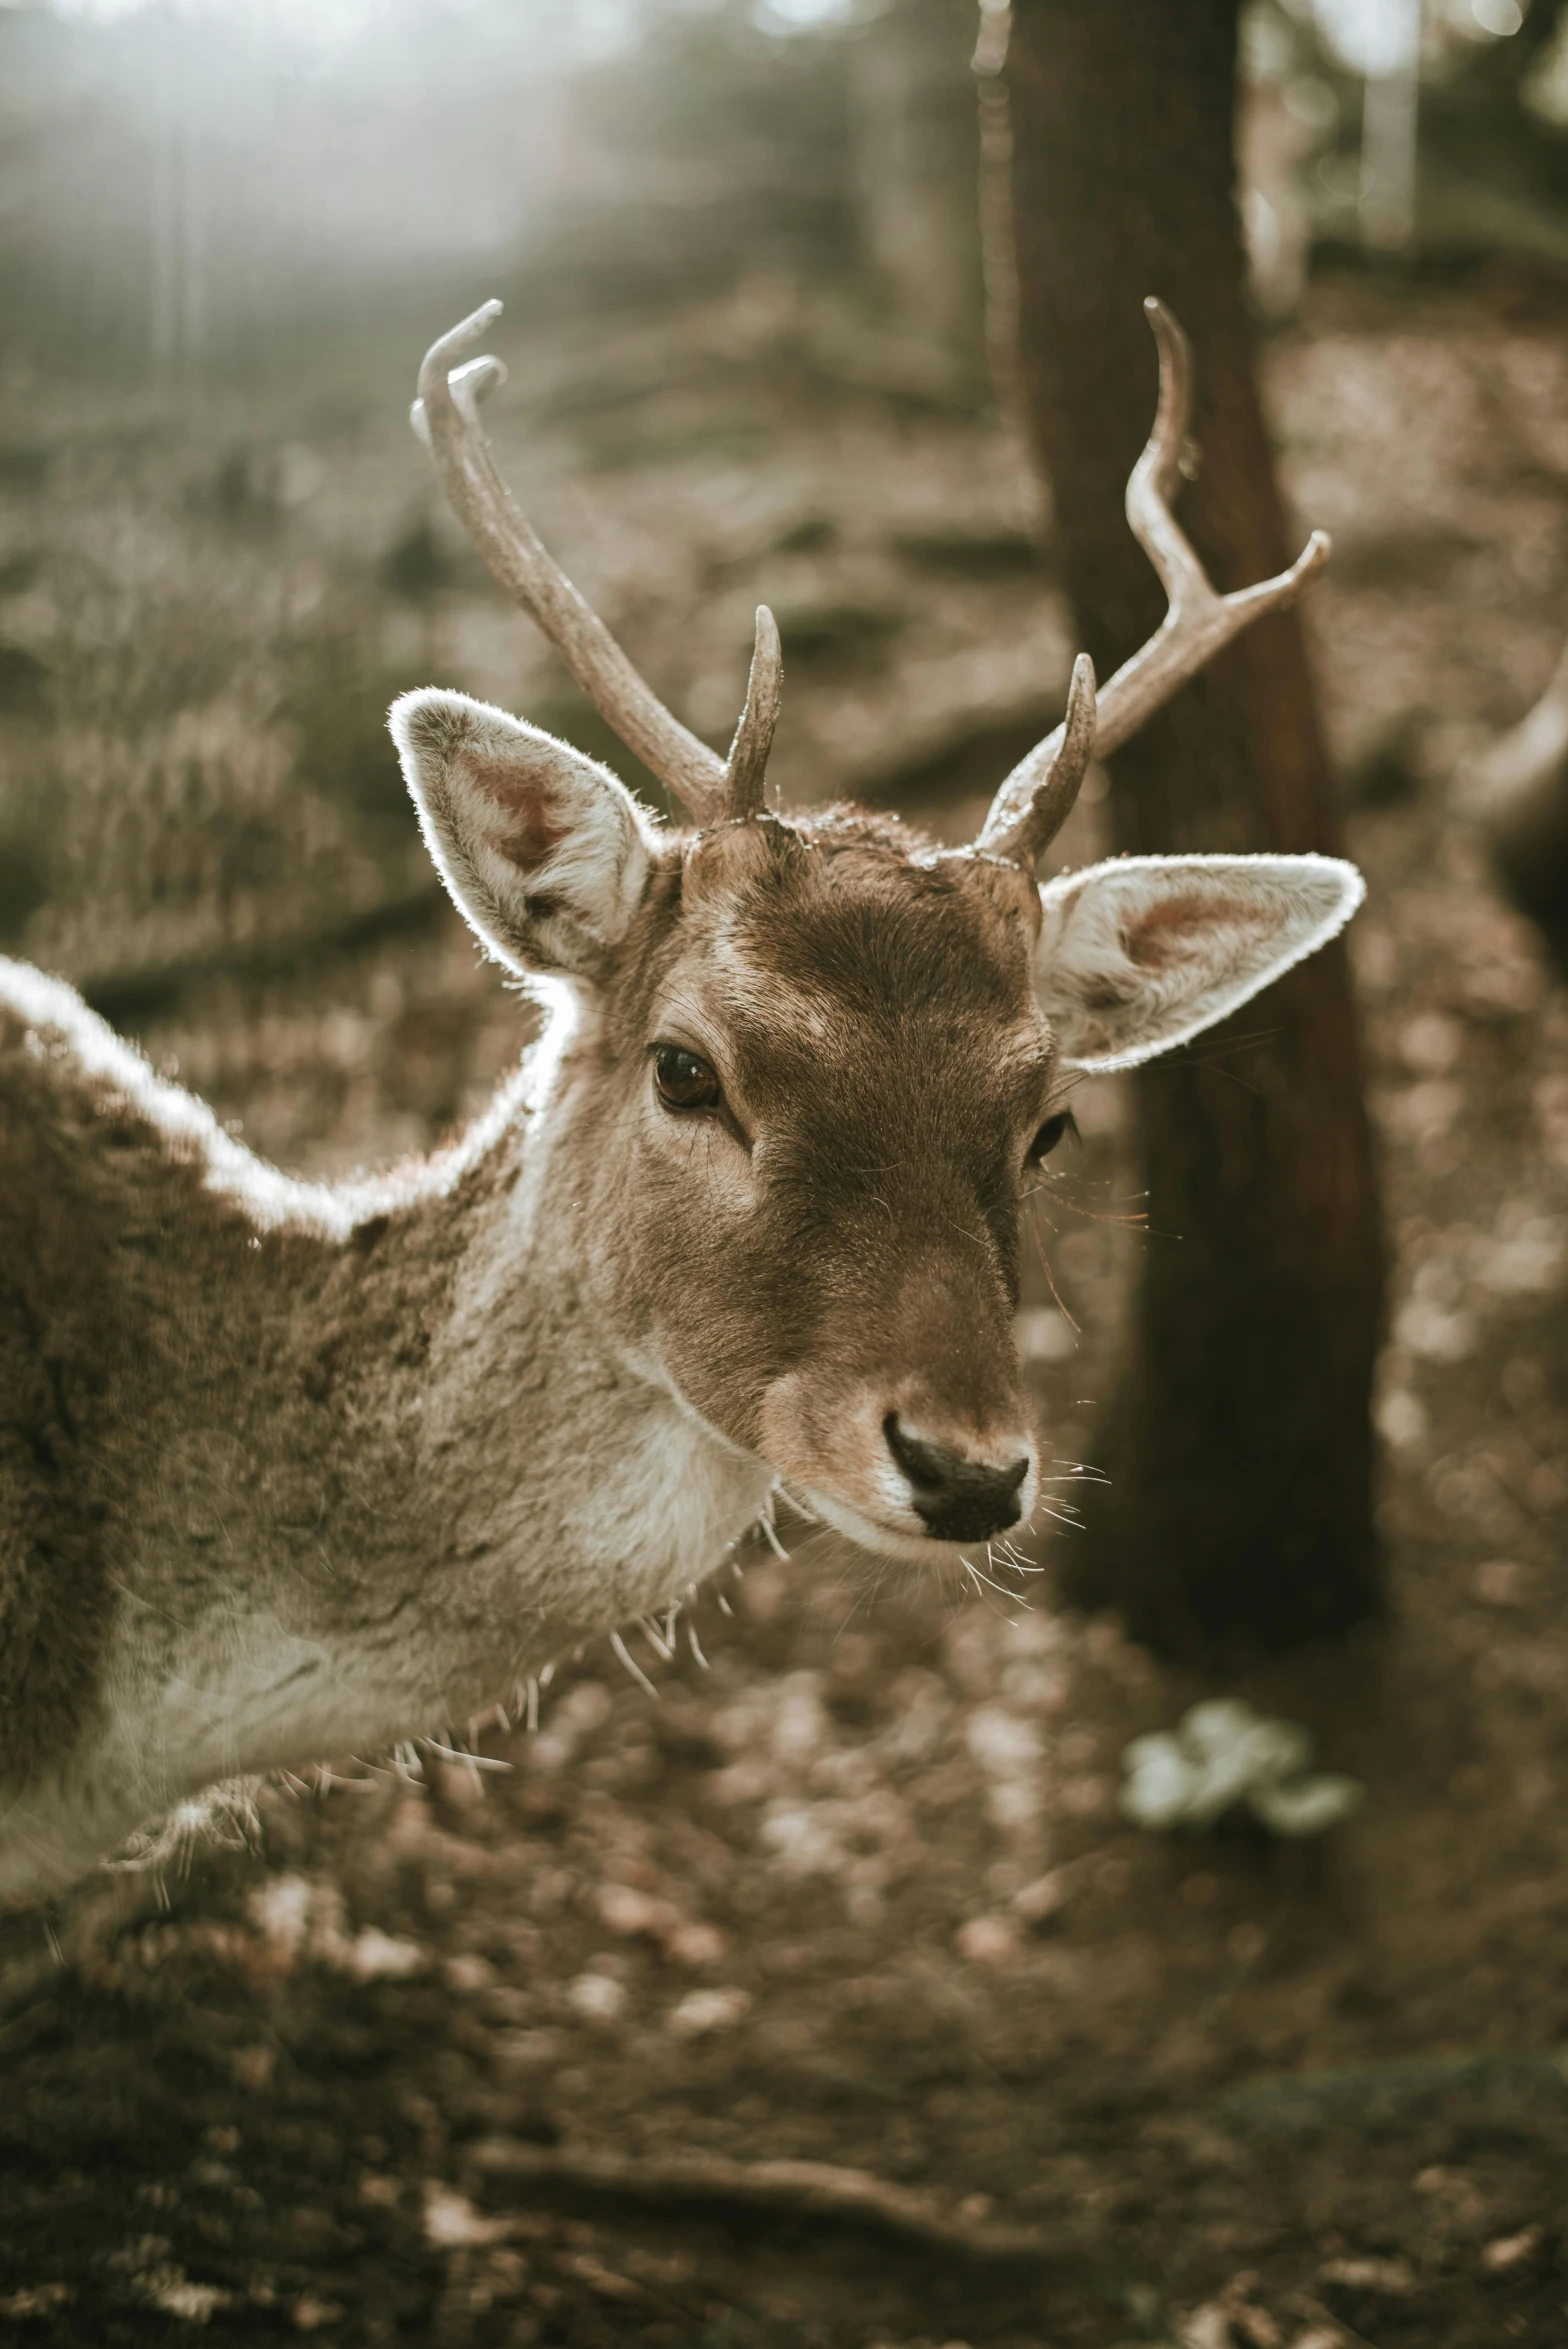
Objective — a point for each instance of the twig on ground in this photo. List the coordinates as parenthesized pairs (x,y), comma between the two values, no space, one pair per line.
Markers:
(791,2191)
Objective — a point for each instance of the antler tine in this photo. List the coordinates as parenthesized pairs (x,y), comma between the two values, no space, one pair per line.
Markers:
(1052,804)
(748,759)
(1198,622)
(446,418)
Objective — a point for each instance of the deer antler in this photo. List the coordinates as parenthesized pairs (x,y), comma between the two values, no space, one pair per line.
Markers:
(1044,813)
(446,418)
(1195,627)
(743,777)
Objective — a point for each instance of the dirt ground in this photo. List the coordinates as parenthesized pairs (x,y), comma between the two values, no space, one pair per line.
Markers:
(509,2051)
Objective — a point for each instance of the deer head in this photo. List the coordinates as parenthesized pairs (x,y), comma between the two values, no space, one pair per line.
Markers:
(817,1059)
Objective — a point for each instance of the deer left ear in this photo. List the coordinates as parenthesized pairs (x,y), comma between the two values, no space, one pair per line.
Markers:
(1139,954)
(543,850)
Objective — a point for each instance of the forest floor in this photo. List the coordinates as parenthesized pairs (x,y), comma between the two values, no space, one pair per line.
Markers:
(576,2047)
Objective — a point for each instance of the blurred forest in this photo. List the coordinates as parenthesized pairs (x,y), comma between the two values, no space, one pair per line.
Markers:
(568,2043)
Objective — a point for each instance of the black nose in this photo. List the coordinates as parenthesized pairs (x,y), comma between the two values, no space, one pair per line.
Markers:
(961,1500)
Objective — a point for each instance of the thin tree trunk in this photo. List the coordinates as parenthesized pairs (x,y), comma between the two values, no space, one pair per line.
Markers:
(1238,1436)
(914,158)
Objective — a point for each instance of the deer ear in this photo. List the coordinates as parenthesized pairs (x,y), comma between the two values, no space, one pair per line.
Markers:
(544,852)
(1139,954)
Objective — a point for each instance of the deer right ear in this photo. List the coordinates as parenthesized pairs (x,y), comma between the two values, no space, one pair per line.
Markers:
(544,852)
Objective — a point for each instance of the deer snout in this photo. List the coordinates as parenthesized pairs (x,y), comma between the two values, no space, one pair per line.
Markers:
(895,1469)
(960,1493)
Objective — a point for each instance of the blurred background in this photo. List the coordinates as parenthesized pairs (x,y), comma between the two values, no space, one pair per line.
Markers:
(858,1887)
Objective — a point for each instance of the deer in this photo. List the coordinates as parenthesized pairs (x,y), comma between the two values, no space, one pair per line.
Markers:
(291,1470)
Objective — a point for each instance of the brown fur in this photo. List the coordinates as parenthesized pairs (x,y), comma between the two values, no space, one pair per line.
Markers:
(874,1017)
(1164,933)
(166,1361)
(55,1323)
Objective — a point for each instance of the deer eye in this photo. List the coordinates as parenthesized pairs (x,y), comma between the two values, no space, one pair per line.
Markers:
(683,1081)
(1050,1134)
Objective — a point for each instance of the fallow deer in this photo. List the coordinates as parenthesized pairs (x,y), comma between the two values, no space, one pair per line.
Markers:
(290,1470)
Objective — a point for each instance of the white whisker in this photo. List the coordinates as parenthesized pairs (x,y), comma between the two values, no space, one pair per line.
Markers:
(631,1663)
(1013,1597)
(1068,1517)
(656,1639)
(800,1507)
(469,1761)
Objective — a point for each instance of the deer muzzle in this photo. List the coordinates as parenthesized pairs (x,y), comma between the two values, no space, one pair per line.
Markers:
(894,1470)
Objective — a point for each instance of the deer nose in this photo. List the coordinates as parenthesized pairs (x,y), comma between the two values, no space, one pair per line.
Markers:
(961,1499)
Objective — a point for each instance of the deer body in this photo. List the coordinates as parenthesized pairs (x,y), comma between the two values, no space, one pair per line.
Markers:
(289,1471)
(310,1471)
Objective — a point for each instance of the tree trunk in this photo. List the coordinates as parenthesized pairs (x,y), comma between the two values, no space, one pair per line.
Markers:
(914,154)
(1238,1435)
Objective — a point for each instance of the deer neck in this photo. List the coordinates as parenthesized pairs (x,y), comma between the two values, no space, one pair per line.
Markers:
(468,1473)
(589,1487)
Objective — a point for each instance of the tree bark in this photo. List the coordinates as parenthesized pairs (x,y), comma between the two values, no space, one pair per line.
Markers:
(1237,1436)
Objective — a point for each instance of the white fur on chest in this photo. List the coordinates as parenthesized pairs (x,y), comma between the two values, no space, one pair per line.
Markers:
(675,1503)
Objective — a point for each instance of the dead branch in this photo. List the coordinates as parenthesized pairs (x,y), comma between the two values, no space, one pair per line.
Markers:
(791,2191)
